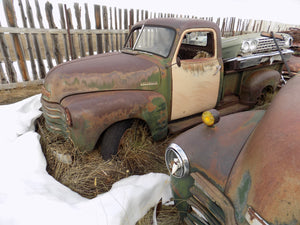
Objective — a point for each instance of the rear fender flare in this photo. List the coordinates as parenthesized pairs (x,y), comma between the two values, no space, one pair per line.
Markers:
(254,84)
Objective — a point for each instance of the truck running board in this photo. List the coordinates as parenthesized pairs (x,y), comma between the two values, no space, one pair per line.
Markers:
(182,125)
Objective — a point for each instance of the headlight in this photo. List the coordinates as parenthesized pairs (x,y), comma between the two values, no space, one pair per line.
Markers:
(288,42)
(249,46)
(253,45)
(176,161)
(245,47)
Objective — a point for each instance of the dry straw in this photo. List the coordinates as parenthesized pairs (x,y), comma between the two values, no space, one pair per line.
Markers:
(89,175)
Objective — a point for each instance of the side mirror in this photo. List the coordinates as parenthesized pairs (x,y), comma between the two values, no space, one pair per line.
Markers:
(178,61)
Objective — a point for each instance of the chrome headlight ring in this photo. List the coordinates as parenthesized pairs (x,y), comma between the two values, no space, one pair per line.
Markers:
(245,47)
(249,46)
(176,161)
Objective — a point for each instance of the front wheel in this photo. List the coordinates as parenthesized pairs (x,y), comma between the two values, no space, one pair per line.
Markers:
(112,137)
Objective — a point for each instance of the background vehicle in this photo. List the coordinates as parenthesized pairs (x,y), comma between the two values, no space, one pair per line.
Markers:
(242,170)
(168,73)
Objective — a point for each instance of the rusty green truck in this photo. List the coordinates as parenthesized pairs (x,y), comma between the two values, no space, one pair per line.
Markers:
(167,74)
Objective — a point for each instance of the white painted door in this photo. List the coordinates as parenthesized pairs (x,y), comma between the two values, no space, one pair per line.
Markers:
(195,84)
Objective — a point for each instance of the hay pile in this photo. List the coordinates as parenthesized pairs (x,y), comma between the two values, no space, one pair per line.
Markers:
(89,175)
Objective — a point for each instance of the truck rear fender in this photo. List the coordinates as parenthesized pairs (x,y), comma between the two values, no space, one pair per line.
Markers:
(93,113)
(253,85)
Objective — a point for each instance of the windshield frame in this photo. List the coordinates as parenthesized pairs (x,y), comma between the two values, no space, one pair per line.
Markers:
(140,29)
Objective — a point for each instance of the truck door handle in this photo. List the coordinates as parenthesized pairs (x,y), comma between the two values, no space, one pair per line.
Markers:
(218,69)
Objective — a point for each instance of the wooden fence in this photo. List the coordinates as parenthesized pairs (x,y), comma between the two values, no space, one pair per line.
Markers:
(35,50)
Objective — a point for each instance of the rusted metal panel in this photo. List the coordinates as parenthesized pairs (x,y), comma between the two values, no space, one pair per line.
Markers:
(212,151)
(253,84)
(111,71)
(93,113)
(266,174)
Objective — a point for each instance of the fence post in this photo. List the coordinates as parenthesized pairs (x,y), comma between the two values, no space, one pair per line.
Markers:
(70,36)
(88,27)
(56,51)
(80,36)
(36,45)
(126,22)
(2,76)
(105,26)
(29,48)
(10,70)
(46,47)
(99,27)
(63,26)
(120,27)
(11,21)
(111,28)
(116,28)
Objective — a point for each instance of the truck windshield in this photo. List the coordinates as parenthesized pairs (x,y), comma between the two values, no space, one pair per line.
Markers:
(154,40)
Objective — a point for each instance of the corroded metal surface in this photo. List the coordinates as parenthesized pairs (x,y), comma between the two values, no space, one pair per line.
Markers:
(95,112)
(294,64)
(214,150)
(253,84)
(111,71)
(266,174)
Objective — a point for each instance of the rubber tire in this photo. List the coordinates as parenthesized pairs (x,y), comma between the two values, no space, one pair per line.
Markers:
(110,141)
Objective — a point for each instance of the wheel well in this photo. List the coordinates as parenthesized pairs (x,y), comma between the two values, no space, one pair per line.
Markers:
(133,121)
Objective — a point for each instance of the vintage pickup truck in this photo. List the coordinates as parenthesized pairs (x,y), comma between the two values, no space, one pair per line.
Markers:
(168,73)
(243,170)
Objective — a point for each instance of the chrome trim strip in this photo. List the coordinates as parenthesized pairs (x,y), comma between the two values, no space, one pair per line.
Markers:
(259,56)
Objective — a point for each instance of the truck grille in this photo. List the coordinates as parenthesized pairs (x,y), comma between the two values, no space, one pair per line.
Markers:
(266,44)
(208,205)
(54,117)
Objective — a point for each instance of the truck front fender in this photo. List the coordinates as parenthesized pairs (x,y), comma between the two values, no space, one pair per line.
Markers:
(254,84)
(93,113)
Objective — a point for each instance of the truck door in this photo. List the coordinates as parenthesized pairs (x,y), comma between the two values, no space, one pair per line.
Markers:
(195,83)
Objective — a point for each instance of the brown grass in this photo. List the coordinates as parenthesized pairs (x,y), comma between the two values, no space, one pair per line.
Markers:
(89,175)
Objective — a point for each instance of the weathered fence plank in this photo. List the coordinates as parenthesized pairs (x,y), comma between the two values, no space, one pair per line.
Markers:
(88,27)
(63,26)
(98,26)
(44,38)
(105,26)
(10,70)
(29,48)
(116,28)
(111,28)
(11,21)
(80,36)
(41,66)
(126,22)
(55,47)
(120,27)
(70,36)
(2,76)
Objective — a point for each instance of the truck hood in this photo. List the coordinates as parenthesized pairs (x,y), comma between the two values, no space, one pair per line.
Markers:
(110,71)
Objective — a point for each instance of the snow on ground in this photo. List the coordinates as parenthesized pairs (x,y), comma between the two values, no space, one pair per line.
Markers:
(29,195)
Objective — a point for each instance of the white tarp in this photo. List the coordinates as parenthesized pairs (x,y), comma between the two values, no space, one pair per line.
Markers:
(30,196)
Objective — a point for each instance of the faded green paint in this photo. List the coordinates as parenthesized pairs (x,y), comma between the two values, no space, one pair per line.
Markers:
(242,193)
(155,114)
(181,192)
(294,221)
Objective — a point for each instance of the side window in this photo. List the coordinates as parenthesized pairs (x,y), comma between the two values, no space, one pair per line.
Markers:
(197,45)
